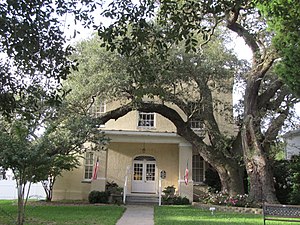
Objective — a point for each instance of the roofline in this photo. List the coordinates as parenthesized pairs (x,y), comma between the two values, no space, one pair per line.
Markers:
(144,136)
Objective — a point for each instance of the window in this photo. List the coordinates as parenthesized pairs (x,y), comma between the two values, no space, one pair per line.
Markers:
(146,120)
(197,125)
(98,108)
(88,165)
(198,169)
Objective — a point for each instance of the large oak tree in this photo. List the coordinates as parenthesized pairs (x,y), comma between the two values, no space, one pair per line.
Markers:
(266,96)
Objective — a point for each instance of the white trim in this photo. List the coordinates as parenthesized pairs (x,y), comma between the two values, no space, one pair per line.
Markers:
(145,136)
(184,144)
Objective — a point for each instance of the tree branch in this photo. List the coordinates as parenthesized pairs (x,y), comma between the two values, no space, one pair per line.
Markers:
(265,97)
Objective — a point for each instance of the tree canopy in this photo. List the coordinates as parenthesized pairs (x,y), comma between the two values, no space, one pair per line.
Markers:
(34,54)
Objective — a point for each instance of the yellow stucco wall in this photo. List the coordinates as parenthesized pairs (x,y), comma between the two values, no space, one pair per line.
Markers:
(121,155)
(71,185)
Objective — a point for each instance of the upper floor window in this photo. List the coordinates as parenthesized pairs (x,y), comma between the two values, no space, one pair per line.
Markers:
(88,165)
(98,108)
(146,120)
(197,125)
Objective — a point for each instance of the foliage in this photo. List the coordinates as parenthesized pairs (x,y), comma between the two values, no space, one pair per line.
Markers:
(220,198)
(175,200)
(283,19)
(113,188)
(287,180)
(283,185)
(98,197)
(34,50)
(169,191)
(24,156)
(212,179)
(295,180)
(169,197)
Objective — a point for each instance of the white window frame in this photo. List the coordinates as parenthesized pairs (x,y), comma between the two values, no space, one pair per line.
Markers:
(97,109)
(151,122)
(197,125)
(197,161)
(88,165)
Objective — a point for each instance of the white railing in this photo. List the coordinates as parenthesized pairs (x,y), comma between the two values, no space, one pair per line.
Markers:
(125,185)
(159,191)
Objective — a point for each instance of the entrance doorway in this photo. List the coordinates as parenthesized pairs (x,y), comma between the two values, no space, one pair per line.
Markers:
(144,174)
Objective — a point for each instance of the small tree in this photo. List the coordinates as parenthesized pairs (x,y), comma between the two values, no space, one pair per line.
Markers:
(24,156)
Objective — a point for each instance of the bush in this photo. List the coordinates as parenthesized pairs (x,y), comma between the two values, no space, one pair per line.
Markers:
(220,198)
(113,188)
(170,198)
(169,191)
(175,200)
(98,197)
(283,185)
(295,180)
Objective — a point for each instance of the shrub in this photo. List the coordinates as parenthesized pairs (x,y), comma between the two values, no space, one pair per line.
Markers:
(170,198)
(220,198)
(169,191)
(283,185)
(295,180)
(113,188)
(98,197)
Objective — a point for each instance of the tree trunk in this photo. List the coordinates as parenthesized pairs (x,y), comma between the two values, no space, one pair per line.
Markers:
(21,212)
(231,179)
(257,165)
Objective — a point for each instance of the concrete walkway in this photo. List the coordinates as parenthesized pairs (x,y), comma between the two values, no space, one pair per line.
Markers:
(137,215)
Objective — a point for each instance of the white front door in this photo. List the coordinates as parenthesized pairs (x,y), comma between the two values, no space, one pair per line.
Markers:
(144,171)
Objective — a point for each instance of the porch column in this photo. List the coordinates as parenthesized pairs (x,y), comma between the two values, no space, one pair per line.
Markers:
(185,161)
(99,183)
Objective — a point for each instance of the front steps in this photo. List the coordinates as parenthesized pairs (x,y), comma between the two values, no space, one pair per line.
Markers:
(142,199)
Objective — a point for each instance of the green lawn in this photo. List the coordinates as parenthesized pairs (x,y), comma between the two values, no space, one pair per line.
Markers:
(58,214)
(62,214)
(188,215)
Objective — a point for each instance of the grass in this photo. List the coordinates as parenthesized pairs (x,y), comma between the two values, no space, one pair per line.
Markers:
(188,215)
(37,214)
(76,214)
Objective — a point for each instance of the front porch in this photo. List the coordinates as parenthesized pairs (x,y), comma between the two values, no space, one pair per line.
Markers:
(134,160)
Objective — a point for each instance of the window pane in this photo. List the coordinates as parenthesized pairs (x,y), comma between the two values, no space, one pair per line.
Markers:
(138,171)
(88,165)
(146,120)
(198,168)
(150,172)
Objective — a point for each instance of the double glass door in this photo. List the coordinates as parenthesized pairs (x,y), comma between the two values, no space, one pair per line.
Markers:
(144,171)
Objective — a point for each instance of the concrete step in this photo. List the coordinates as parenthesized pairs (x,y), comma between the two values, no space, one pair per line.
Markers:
(141,199)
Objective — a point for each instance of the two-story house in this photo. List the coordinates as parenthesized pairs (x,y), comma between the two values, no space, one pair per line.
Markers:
(141,146)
